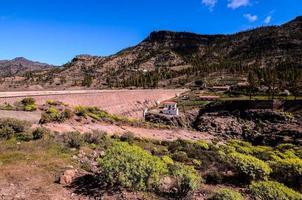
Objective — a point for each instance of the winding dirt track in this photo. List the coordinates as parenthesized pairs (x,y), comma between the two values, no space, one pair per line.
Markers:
(130,103)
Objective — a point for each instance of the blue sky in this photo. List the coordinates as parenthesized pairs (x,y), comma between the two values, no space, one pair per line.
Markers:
(54,31)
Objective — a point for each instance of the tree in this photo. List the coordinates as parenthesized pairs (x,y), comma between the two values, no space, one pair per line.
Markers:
(253,83)
(87,80)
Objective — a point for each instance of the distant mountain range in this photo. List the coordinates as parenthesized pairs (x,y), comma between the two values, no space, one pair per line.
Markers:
(19,66)
(172,59)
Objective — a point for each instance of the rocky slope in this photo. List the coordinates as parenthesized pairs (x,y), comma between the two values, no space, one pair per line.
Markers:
(19,66)
(174,59)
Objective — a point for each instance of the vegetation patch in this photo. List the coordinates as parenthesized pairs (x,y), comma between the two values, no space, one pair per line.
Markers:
(226,194)
(270,190)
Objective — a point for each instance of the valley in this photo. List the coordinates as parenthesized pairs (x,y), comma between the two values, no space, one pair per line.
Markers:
(178,115)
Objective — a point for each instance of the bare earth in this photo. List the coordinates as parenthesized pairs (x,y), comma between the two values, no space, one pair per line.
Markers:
(111,129)
(129,103)
(33,117)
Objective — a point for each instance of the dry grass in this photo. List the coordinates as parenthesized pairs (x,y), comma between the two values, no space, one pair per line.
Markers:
(28,170)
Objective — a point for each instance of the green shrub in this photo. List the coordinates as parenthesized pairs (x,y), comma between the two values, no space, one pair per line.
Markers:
(241,146)
(167,160)
(31,107)
(54,102)
(73,139)
(187,178)
(213,177)
(94,137)
(268,190)
(16,125)
(131,167)
(80,111)
(67,114)
(28,104)
(249,167)
(128,137)
(24,136)
(28,101)
(202,144)
(288,171)
(6,132)
(39,133)
(7,106)
(180,156)
(226,194)
(15,128)
(54,115)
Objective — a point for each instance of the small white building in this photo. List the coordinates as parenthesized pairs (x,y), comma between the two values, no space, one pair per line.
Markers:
(170,108)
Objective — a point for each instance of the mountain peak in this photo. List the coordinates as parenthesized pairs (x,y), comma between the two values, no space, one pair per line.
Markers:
(20,59)
(296,23)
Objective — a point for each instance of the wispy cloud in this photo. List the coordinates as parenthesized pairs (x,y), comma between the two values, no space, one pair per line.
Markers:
(209,3)
(268,19)
(234,4)
(250,17)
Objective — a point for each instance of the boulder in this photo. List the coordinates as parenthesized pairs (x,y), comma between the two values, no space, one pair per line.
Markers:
(68,176)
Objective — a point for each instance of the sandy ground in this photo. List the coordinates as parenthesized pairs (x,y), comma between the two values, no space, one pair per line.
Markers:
(111,129)
(130,103)
(29,182)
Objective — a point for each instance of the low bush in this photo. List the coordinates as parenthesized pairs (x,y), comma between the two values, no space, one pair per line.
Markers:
(11,127)
(52,114)
(7,106)
(28,104)
(16,125)
(73,139)
(24,136)
(213,177)
(249,167)
(94,137)
(6,132)
(131,167)
(288,171)
(128,137)
(39,133)
(187,178)
(180,156)
(202,144)
(269,190)
(167,160)
(226,194)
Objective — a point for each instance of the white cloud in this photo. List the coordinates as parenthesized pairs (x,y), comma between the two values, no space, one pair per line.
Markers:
(268,19)
(234,4)
(209,3)
(250,17)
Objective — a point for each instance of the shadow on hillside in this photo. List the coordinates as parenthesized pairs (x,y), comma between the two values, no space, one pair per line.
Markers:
(90,186)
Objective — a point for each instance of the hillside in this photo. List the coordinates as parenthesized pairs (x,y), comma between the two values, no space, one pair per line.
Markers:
(19,66)
(175,59)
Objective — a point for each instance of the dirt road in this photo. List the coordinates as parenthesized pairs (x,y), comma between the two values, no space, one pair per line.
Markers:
(111,129)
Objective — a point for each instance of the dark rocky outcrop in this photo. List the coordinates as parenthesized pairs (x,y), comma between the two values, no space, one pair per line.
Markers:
(259,126)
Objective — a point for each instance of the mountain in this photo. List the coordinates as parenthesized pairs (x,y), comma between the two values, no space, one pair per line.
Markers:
(19,66)
(175,59)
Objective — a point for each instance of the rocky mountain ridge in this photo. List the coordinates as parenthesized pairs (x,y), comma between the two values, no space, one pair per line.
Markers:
(177,59)
(19,66)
